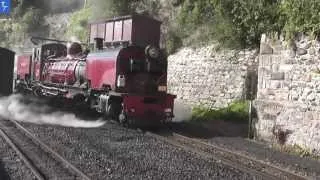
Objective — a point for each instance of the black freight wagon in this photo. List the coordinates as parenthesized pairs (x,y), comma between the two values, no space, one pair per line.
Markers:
(6,71)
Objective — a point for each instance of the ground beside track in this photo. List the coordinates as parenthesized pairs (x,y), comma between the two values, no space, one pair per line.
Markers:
(113,152)
(232,136)
(11,166)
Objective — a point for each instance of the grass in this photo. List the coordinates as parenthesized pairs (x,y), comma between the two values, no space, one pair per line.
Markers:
(236,112)
(297,151)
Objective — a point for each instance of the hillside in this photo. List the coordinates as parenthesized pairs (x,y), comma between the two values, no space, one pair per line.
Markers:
(233,24)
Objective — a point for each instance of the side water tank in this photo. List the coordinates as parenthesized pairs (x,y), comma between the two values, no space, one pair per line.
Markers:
(6,71)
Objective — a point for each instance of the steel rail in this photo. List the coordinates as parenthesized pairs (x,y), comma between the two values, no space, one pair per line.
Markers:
(44,148)
(27,162)
(248,158)
(49,150)
(197,147)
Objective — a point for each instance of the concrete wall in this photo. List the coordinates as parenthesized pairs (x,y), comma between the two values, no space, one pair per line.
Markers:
(204,76)
(288,95)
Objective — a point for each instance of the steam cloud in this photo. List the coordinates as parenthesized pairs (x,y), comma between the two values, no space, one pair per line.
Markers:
(61,6)
(38,112)
(182,112)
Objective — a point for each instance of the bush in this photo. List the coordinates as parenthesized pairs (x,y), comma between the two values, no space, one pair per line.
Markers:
(237,111)
(78,26)
(298,151)
(300,16)
(96,10)
(235,24)
(32,19)
(247,19)
(108,8)
(239,24)
(173,42)
(25,19)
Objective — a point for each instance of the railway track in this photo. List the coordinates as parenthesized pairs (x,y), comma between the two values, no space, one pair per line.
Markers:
(258,169)
(43,162)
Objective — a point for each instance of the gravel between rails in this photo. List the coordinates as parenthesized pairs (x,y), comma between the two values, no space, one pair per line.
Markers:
(113,152)
(11,166)
(47,167)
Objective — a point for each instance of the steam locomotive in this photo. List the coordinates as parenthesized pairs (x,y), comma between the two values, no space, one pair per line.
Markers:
(124,76)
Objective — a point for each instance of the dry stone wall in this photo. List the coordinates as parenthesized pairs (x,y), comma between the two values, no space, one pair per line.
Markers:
(203,76)
(288,98)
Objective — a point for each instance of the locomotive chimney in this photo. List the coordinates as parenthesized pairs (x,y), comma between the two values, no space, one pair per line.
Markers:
(98,43)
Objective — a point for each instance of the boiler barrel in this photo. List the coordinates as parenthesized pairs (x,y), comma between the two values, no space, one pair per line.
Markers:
(6,71)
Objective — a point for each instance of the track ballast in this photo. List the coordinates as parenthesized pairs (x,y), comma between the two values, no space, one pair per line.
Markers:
(43,162)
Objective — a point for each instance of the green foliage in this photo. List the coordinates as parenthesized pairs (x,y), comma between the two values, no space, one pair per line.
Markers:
(173,42)
(78,26)
(108,8)
(237,111)
(26,17)
(300,16)
(195,12)
(226,33)
(297,151)
(12,32)
(249,18)
(96,10)
(32,19)
(235,24)
(239,24)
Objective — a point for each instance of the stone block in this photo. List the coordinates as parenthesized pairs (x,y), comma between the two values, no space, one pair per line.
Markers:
(267,60)
(312,51)
(285,68)
(265,49)
(277,76)
(292,54)
(269,117)
(306,45)
(275,84)
(275,67)
(290,61)
(301,51)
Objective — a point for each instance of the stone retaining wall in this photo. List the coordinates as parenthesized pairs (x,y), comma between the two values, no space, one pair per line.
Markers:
(206,77)
(288,98)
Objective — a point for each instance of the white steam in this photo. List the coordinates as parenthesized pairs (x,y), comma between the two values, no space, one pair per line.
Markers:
(61,6)
(12,107)
(182,112)
(74,39)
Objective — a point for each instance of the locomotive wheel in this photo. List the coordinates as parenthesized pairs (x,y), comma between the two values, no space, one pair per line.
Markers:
(123,118)
(113,110)
(126,121)
(37,91)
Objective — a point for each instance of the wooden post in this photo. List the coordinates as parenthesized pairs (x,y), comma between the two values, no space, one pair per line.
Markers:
(250,119)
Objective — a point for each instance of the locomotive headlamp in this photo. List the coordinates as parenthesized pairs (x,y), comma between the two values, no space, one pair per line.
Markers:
(121,82)
(153,52)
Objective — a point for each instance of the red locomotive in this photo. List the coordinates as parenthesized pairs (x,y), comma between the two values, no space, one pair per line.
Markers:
(124,77)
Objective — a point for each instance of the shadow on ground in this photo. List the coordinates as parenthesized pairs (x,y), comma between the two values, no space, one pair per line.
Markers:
(210,129)
(3,173)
